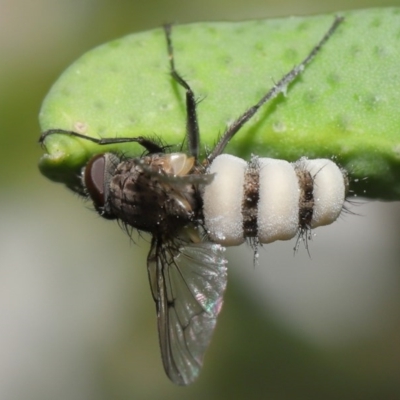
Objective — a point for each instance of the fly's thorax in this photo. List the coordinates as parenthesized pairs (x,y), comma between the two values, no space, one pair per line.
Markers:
(154,193)
(270,199)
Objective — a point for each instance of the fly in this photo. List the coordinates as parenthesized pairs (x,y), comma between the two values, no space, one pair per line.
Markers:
(172,197)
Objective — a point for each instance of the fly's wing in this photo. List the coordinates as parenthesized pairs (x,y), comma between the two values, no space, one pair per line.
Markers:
(176,180)
(187,281)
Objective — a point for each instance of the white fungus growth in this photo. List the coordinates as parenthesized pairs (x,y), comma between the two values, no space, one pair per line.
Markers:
(290,197)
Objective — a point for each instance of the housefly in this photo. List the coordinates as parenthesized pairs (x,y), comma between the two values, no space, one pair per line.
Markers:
(162,193)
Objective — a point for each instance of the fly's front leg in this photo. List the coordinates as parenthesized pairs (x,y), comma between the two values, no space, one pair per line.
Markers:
(148,144)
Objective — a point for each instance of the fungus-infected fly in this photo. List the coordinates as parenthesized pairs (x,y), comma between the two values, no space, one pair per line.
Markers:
(172,196)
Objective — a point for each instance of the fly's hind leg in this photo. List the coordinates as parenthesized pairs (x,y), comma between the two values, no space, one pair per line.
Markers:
(272,93)
(192,126)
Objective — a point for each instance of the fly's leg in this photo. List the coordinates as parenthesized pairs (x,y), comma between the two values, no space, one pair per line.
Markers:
(281,86)
(192,126)
(148,144)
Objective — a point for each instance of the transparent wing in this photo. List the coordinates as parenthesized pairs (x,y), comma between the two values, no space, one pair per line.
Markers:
(187,281)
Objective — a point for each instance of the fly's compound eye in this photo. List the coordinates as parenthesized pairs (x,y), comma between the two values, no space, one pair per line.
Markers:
(96,180)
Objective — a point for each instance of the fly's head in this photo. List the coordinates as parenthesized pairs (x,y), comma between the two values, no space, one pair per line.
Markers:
(96,178)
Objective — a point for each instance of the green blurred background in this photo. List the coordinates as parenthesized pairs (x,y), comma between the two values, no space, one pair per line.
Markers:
(77,320)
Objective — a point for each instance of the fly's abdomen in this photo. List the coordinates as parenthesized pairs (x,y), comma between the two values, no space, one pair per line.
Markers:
(270,199)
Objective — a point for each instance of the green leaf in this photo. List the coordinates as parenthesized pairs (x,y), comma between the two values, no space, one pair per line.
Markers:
(344,105)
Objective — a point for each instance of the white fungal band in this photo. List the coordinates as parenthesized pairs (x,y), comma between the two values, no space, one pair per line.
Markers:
(281,196)
(278,206)
(329,190)
(222,200)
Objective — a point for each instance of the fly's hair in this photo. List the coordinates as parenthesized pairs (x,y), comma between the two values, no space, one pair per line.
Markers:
(306,206)
(307,200)
(350,182)
(250,201)
(129,230)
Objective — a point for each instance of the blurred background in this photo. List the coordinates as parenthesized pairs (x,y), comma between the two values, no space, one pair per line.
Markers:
(77,320)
